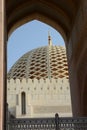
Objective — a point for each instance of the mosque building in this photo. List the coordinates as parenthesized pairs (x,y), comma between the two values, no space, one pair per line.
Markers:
(38,83)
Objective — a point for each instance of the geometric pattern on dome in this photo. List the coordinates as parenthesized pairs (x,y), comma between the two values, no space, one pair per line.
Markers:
(44,62)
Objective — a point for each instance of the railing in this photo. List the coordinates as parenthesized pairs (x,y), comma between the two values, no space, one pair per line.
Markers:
(63,123)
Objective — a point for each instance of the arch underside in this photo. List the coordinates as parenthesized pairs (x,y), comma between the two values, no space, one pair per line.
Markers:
(58,14)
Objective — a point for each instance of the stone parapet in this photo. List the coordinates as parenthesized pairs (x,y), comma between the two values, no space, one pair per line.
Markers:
(41,96)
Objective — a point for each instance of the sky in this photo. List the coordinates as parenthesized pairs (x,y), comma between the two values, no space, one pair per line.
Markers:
(29,36)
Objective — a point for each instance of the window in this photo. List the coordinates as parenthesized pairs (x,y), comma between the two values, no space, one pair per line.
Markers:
(23,103)
(17,100)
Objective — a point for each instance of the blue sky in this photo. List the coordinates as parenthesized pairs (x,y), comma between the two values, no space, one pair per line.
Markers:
(29,36)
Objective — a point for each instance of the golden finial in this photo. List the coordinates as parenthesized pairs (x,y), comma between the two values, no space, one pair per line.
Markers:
(49,39)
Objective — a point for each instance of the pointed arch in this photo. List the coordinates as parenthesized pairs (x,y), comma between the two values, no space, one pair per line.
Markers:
(57,14)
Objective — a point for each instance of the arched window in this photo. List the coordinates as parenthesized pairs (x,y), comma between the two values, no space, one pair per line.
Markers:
(17,103)
(23,103)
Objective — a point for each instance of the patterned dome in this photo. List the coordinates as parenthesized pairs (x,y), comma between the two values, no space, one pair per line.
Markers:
(44,62)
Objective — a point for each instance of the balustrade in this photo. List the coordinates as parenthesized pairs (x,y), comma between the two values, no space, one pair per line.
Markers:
(57,123)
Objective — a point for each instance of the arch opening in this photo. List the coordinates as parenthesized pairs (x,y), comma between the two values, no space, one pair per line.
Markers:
(35,32)
(43,19)
(42,66)
(58,14)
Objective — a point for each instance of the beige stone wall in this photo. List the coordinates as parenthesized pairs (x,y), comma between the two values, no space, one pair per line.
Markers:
(44,98)
(77,59)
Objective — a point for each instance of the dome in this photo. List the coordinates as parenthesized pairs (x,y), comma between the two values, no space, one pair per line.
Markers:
(44,62)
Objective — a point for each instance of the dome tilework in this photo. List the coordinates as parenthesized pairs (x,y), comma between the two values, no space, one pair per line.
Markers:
(44,62)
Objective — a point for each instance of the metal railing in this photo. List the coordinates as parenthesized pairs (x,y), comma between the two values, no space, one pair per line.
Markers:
(62,123)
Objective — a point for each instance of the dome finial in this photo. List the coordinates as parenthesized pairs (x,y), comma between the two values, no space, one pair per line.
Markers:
(49,39)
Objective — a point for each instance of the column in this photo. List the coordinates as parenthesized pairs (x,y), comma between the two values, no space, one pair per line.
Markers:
(2,67)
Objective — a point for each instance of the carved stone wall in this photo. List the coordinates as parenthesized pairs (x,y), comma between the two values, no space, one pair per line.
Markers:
(44,98)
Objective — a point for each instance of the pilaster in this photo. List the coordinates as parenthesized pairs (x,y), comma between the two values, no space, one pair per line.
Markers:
(2,66)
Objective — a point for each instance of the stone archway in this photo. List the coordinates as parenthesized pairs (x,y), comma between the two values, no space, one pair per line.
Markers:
(71,17)
(60,15)
(54,13)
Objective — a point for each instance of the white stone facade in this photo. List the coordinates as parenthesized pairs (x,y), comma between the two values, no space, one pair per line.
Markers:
(44,98)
